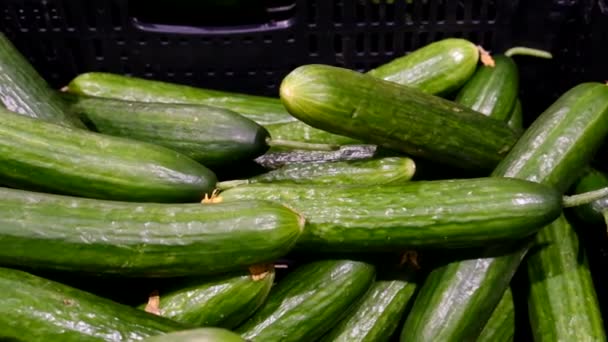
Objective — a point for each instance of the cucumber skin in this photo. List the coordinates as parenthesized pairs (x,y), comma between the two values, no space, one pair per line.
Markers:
(198,335)
(141,239)
(211,136)
(501,325)
(492,90)
(542,155)
(41,156)
(299,131)
(437,68)
(346,102)
(448,213)
(592,213)
(223,302)
(309,301)
(275,160)
(378,314)
(24,91)
(36,309)
(516,120)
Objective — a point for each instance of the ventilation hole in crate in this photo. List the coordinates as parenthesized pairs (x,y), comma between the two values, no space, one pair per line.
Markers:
(226,40)
(492,11)
(210,72)
(474,37)
(90,17)
(337,12)
(164,40)
(338,47)
(182,41)
(116,15)
(271,84)
(360,12)
(119,41)
(248,39)
(440,11)
(124,56)
(460,8)
(439,35)
(142,41)
(229,72)
(423,38)
(267,39)
(290,39)
(269,72)
(375,13)
(205,40)
(389,43)
(457,34)
(148,69)
(476,9)
(426,11)
(389,13)
(313,45)
(360,43)
(188,73)
(97,49)
(126,69)
(488,39)
(408,42)
(360,67)
(374,47)
(251,72)
(311,10)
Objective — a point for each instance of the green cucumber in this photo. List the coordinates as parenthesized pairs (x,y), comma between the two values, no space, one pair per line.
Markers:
(493,89)
(225,301)
(390,170)
(24,91)
(345,102)
(141,239)
(437,68)
(212,136)
(516,120)
(38,155)
(377,315)
(592,213)
(198,335)
(562,303)
(299,131)
(446,213)
(309,301)
(37,309)
(501,325)
(275,160)
(553,151)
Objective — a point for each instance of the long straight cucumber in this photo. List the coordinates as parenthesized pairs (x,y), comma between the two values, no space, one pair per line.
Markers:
(592,213)
(225,301)
(553,151)
(24,91)
(447,213)
(141,239)
(309,301)
(38,155)
(399,117)
(275,160)
(37,309)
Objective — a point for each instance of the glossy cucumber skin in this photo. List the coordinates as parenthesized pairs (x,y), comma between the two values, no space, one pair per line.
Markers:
(501,325)
(141,239)
(24,91)
(211,136)
(37,309)
(42,156)
(492,90)
(437,68)
(377,315)
(299,131)
(225,301)
(198,335)
(275,160)
(447,213)
(309,301)
(398,117)
(263,110)
(556,147)
(516,120)
(592,213)
(390,170)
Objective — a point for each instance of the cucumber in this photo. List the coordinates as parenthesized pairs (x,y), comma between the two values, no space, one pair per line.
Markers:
(38,155)
(552,151)
(24,91)
(501,325)
(275,160)
(263,110)
(592,213)
(299,131)
(212,136)
(225,301)
(37,309)
(447,213)
(390,170)
(493,89)
(516,120)
(562,303)
(309,301)
(198,335)
(141,239)
(377,315)
(437,68)
(405,119)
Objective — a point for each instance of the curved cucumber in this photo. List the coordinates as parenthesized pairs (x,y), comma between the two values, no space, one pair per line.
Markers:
(37,309)
(501,325)
(437,68)
(377,315)
(346,102)
(198,335)
(212,136)
(516,120)
(552,151)
(447,213)
(309,301)
(39,155)
(493,89)
(225,301)
(141,239)
(390,170)
(592,213)
(24,91)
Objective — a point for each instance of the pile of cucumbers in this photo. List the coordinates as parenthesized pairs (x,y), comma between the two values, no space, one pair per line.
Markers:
(396,204)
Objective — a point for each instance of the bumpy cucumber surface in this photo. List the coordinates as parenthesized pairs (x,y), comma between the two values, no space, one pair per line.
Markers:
(309,301)
(37,309)
(141,239)
(38,155)
(198,335)
(346,102)
(447,213)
